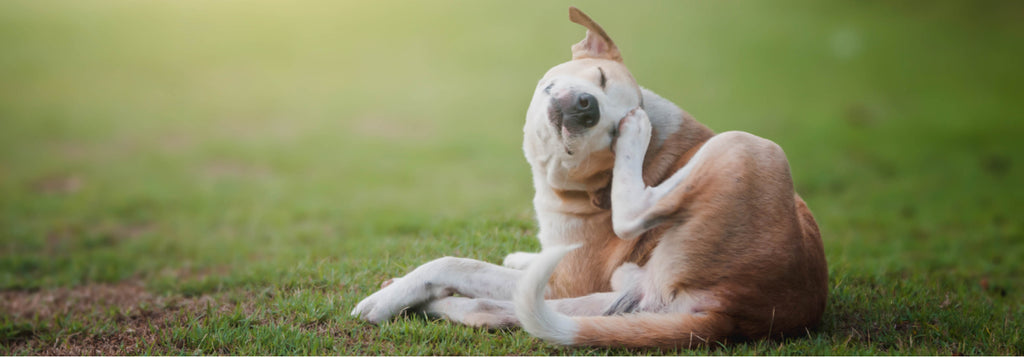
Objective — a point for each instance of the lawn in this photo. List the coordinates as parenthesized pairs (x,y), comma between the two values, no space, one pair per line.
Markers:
(232,177)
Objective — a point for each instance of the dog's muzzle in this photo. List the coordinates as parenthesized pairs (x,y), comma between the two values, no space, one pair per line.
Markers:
(576,112)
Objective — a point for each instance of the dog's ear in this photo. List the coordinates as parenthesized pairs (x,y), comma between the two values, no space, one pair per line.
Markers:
(597,44)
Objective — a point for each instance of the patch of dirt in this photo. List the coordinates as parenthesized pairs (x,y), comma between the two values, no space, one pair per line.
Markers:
(57,184)
(193,273)
(115,319)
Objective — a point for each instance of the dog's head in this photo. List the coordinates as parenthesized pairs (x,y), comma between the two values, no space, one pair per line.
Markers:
(575,111)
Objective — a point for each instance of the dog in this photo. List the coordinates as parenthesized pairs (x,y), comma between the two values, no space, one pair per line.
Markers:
(655,231)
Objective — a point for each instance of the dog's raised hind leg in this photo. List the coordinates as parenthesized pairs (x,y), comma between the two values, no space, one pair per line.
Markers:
(633,202)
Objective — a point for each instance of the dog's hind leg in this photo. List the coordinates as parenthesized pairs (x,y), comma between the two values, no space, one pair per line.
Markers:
(632,200)
(725,165)
(484,313)
(498,314)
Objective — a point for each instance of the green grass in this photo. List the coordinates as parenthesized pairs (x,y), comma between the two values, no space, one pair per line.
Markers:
(260,167)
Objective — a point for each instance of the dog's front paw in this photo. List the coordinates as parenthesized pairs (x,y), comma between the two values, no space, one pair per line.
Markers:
(518,260)
(396,295)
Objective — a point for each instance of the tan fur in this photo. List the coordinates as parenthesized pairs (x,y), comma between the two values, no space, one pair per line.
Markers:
(745,236)
(734,232)
(701,234)
(652,330)
(597,44)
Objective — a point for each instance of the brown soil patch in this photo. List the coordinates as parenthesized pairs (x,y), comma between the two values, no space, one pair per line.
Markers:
(115,319)
(57,184)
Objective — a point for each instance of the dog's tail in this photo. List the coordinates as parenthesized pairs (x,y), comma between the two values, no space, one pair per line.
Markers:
(632,330)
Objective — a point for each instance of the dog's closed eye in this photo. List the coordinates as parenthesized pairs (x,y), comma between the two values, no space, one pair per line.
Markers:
(603,79)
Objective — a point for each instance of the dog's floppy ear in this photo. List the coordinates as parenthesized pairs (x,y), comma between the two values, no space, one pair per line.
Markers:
(597,44)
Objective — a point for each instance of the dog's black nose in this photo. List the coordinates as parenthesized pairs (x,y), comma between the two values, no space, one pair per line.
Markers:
(583,113)
(584,102)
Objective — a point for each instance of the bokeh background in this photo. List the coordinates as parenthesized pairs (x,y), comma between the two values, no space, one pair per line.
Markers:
(208,146)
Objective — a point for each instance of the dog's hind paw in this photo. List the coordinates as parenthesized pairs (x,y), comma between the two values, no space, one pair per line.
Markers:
(634,131)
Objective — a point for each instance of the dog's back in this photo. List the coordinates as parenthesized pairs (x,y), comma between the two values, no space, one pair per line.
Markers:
(774,286)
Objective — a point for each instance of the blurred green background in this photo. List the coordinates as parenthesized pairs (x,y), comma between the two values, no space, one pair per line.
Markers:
(326,143)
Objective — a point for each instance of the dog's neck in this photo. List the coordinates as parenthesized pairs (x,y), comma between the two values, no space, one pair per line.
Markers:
(567,216)
(579,200)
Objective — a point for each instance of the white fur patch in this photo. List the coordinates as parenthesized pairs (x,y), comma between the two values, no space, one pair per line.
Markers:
(518,260)
(534,314)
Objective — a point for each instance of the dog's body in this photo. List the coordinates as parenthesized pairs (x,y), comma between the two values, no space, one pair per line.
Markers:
(655,231)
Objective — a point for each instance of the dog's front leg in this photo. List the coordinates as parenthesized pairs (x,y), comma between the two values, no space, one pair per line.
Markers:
(439,278)
(635,205)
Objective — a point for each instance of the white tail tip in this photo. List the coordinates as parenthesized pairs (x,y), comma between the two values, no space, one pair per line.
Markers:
(534,314)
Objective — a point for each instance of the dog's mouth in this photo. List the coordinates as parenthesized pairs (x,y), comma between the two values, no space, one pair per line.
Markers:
(565,134)
(557,119)
(555,116)
(614,134)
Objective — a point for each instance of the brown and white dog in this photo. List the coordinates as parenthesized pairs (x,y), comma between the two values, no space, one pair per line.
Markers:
(655,231)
